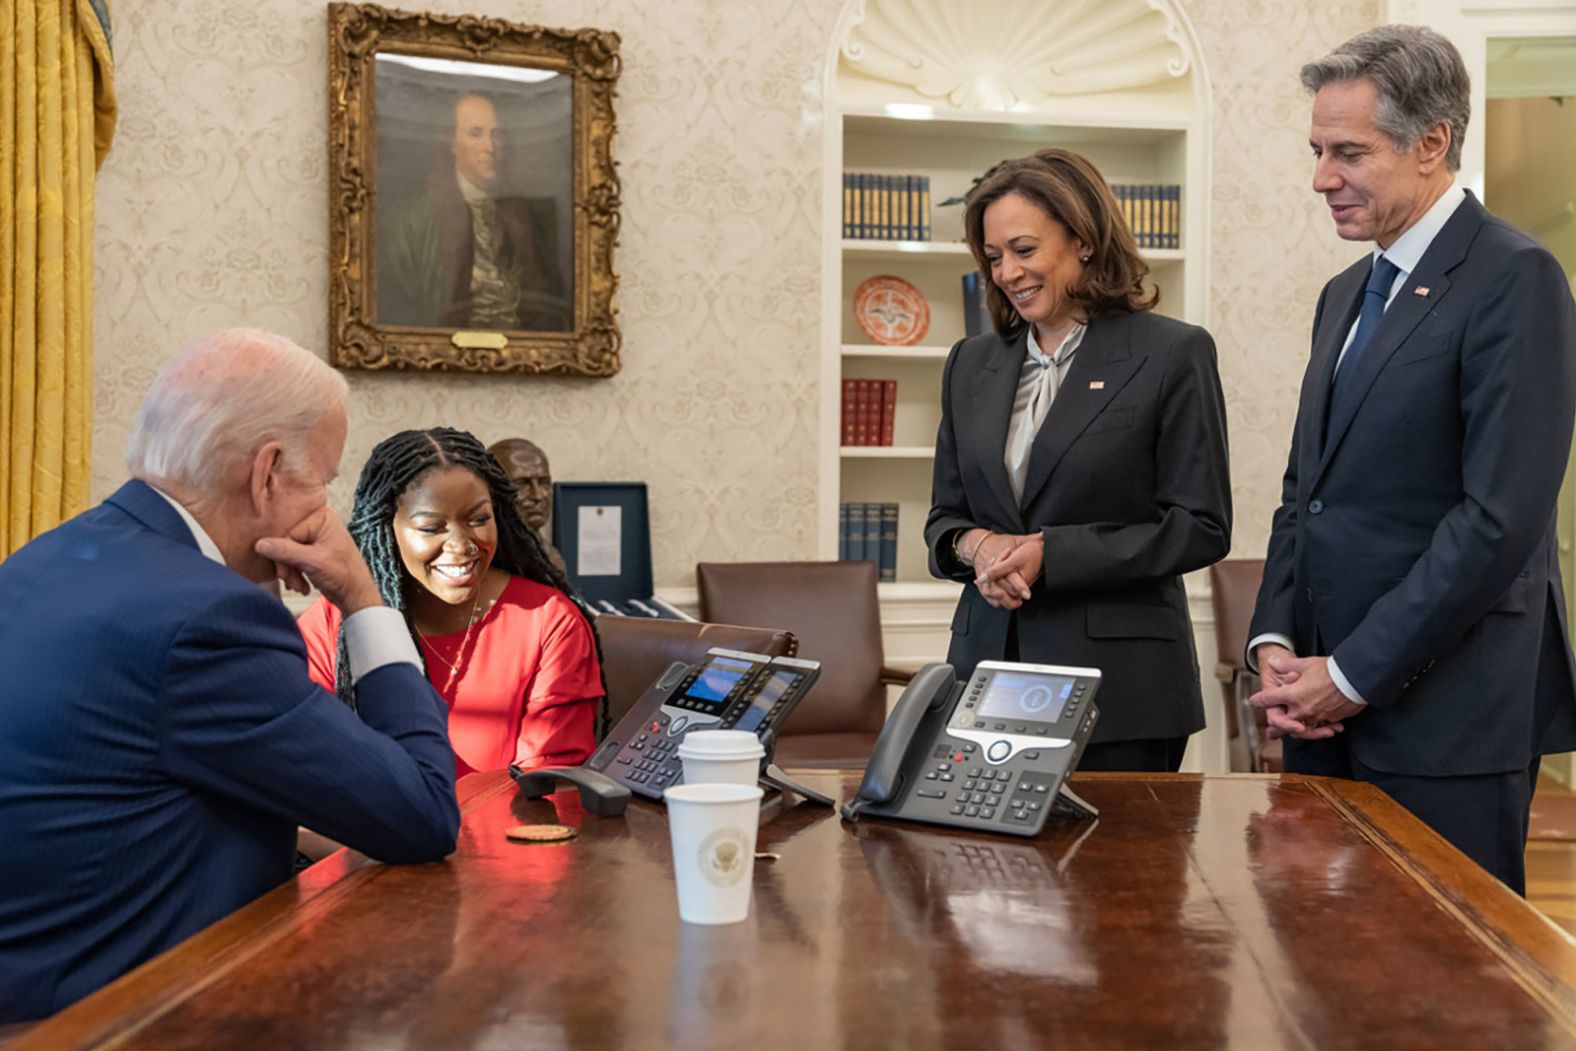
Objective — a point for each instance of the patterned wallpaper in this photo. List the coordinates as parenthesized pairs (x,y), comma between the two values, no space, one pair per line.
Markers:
(212,211)
(1274,244)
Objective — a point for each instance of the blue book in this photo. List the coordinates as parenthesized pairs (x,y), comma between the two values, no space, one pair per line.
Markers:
(886,566)
(873,533)
(861,207)
(910,209)
(856,532)
(844,509)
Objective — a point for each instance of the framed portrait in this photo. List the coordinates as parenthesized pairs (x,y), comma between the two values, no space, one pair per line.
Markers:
(473,202)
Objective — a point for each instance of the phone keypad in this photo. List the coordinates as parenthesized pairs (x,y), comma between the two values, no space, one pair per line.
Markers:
(985,793)
(651,758)
(982,794)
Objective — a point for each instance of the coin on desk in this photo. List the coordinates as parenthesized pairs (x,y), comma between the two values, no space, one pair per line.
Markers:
(540,833)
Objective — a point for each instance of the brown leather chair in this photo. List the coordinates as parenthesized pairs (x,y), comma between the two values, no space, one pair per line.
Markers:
(1234,588)
(636,650)
(832,608)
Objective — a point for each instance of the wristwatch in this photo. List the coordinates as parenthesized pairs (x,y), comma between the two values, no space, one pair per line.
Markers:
(957,548)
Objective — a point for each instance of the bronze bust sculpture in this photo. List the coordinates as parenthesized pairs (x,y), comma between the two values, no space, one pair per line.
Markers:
(526,465)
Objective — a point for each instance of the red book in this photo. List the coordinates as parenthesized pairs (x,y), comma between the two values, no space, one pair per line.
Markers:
(888,409)
(850,398)
(859,412)
(870,412)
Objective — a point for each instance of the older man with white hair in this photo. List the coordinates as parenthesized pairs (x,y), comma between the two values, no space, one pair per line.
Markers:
(160,739)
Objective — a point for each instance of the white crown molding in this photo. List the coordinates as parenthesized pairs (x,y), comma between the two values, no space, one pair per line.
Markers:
(1024,54)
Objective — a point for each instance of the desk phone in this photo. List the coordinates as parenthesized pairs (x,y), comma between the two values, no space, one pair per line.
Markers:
(729,690)
(992,754)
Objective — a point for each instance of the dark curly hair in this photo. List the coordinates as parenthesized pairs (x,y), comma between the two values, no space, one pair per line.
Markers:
(394,466)
(1073,192)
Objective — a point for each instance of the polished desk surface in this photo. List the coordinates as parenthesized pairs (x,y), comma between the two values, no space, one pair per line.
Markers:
(1198,912)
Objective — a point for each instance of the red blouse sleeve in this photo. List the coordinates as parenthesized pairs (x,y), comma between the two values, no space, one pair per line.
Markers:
(559,727)
(319,627)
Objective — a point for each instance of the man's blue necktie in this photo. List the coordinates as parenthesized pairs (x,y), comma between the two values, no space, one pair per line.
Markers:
(1375,296)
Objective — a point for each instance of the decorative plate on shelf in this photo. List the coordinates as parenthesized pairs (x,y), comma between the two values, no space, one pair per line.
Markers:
(891,311)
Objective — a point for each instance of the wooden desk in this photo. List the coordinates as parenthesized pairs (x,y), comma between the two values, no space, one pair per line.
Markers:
(1199,912)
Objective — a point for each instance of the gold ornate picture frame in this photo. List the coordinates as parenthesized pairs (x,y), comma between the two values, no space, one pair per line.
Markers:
(473,201)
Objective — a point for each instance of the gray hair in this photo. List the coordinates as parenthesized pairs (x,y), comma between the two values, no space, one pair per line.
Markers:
(220,399)
(1421,80)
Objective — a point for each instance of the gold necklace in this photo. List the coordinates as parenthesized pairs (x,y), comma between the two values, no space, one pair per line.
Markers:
(459,658)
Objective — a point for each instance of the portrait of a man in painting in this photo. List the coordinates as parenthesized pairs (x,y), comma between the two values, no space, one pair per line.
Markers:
(474,196)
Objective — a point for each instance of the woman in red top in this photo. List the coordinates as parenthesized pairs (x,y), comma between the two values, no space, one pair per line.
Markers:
(503,637)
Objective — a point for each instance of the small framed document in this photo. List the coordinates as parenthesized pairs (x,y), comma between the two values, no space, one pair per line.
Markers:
(599,541)
(604,534)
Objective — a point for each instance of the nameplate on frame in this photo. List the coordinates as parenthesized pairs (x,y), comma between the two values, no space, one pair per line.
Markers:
(480,340)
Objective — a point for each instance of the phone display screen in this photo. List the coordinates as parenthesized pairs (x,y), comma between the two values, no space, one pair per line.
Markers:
(1033,698)
(717,679)
(766,700)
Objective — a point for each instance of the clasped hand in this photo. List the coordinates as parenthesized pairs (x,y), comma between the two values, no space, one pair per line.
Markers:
(1299,698)
(1004,565)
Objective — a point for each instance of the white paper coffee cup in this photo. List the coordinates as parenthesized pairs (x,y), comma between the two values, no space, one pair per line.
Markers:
(721,757)
(712,828)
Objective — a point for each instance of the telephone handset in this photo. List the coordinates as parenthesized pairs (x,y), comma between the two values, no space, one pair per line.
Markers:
(728,690)
(992,754)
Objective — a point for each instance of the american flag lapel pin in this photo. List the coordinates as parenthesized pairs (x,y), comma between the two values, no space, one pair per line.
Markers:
(1421,290)
(1097,384)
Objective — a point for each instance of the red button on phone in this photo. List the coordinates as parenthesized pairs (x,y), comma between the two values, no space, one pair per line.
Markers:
(958,758)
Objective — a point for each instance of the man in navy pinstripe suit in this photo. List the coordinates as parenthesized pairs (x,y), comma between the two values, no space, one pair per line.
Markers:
(160,740)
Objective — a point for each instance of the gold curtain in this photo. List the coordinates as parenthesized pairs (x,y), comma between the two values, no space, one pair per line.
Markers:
(57,114)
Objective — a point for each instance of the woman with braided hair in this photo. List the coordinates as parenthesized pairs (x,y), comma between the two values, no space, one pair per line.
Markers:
(504,638)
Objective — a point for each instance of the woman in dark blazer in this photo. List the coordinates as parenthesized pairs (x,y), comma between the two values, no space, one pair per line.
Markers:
(1081,462)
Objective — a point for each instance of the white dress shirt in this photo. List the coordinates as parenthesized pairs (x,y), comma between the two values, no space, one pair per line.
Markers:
(1405,253)
(374,636)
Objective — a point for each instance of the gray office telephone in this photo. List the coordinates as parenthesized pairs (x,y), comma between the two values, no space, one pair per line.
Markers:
(992,754)
(728,690)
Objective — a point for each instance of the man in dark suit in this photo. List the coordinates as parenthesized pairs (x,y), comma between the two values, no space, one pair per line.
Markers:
(1411,625)
(160,740)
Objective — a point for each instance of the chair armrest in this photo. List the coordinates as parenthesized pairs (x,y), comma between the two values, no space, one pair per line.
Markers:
(1226,672)
(891,676)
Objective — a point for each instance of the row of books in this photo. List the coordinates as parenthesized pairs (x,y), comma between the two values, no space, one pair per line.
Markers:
(1153,213)
(869,409)
(868,533)
(886,207)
